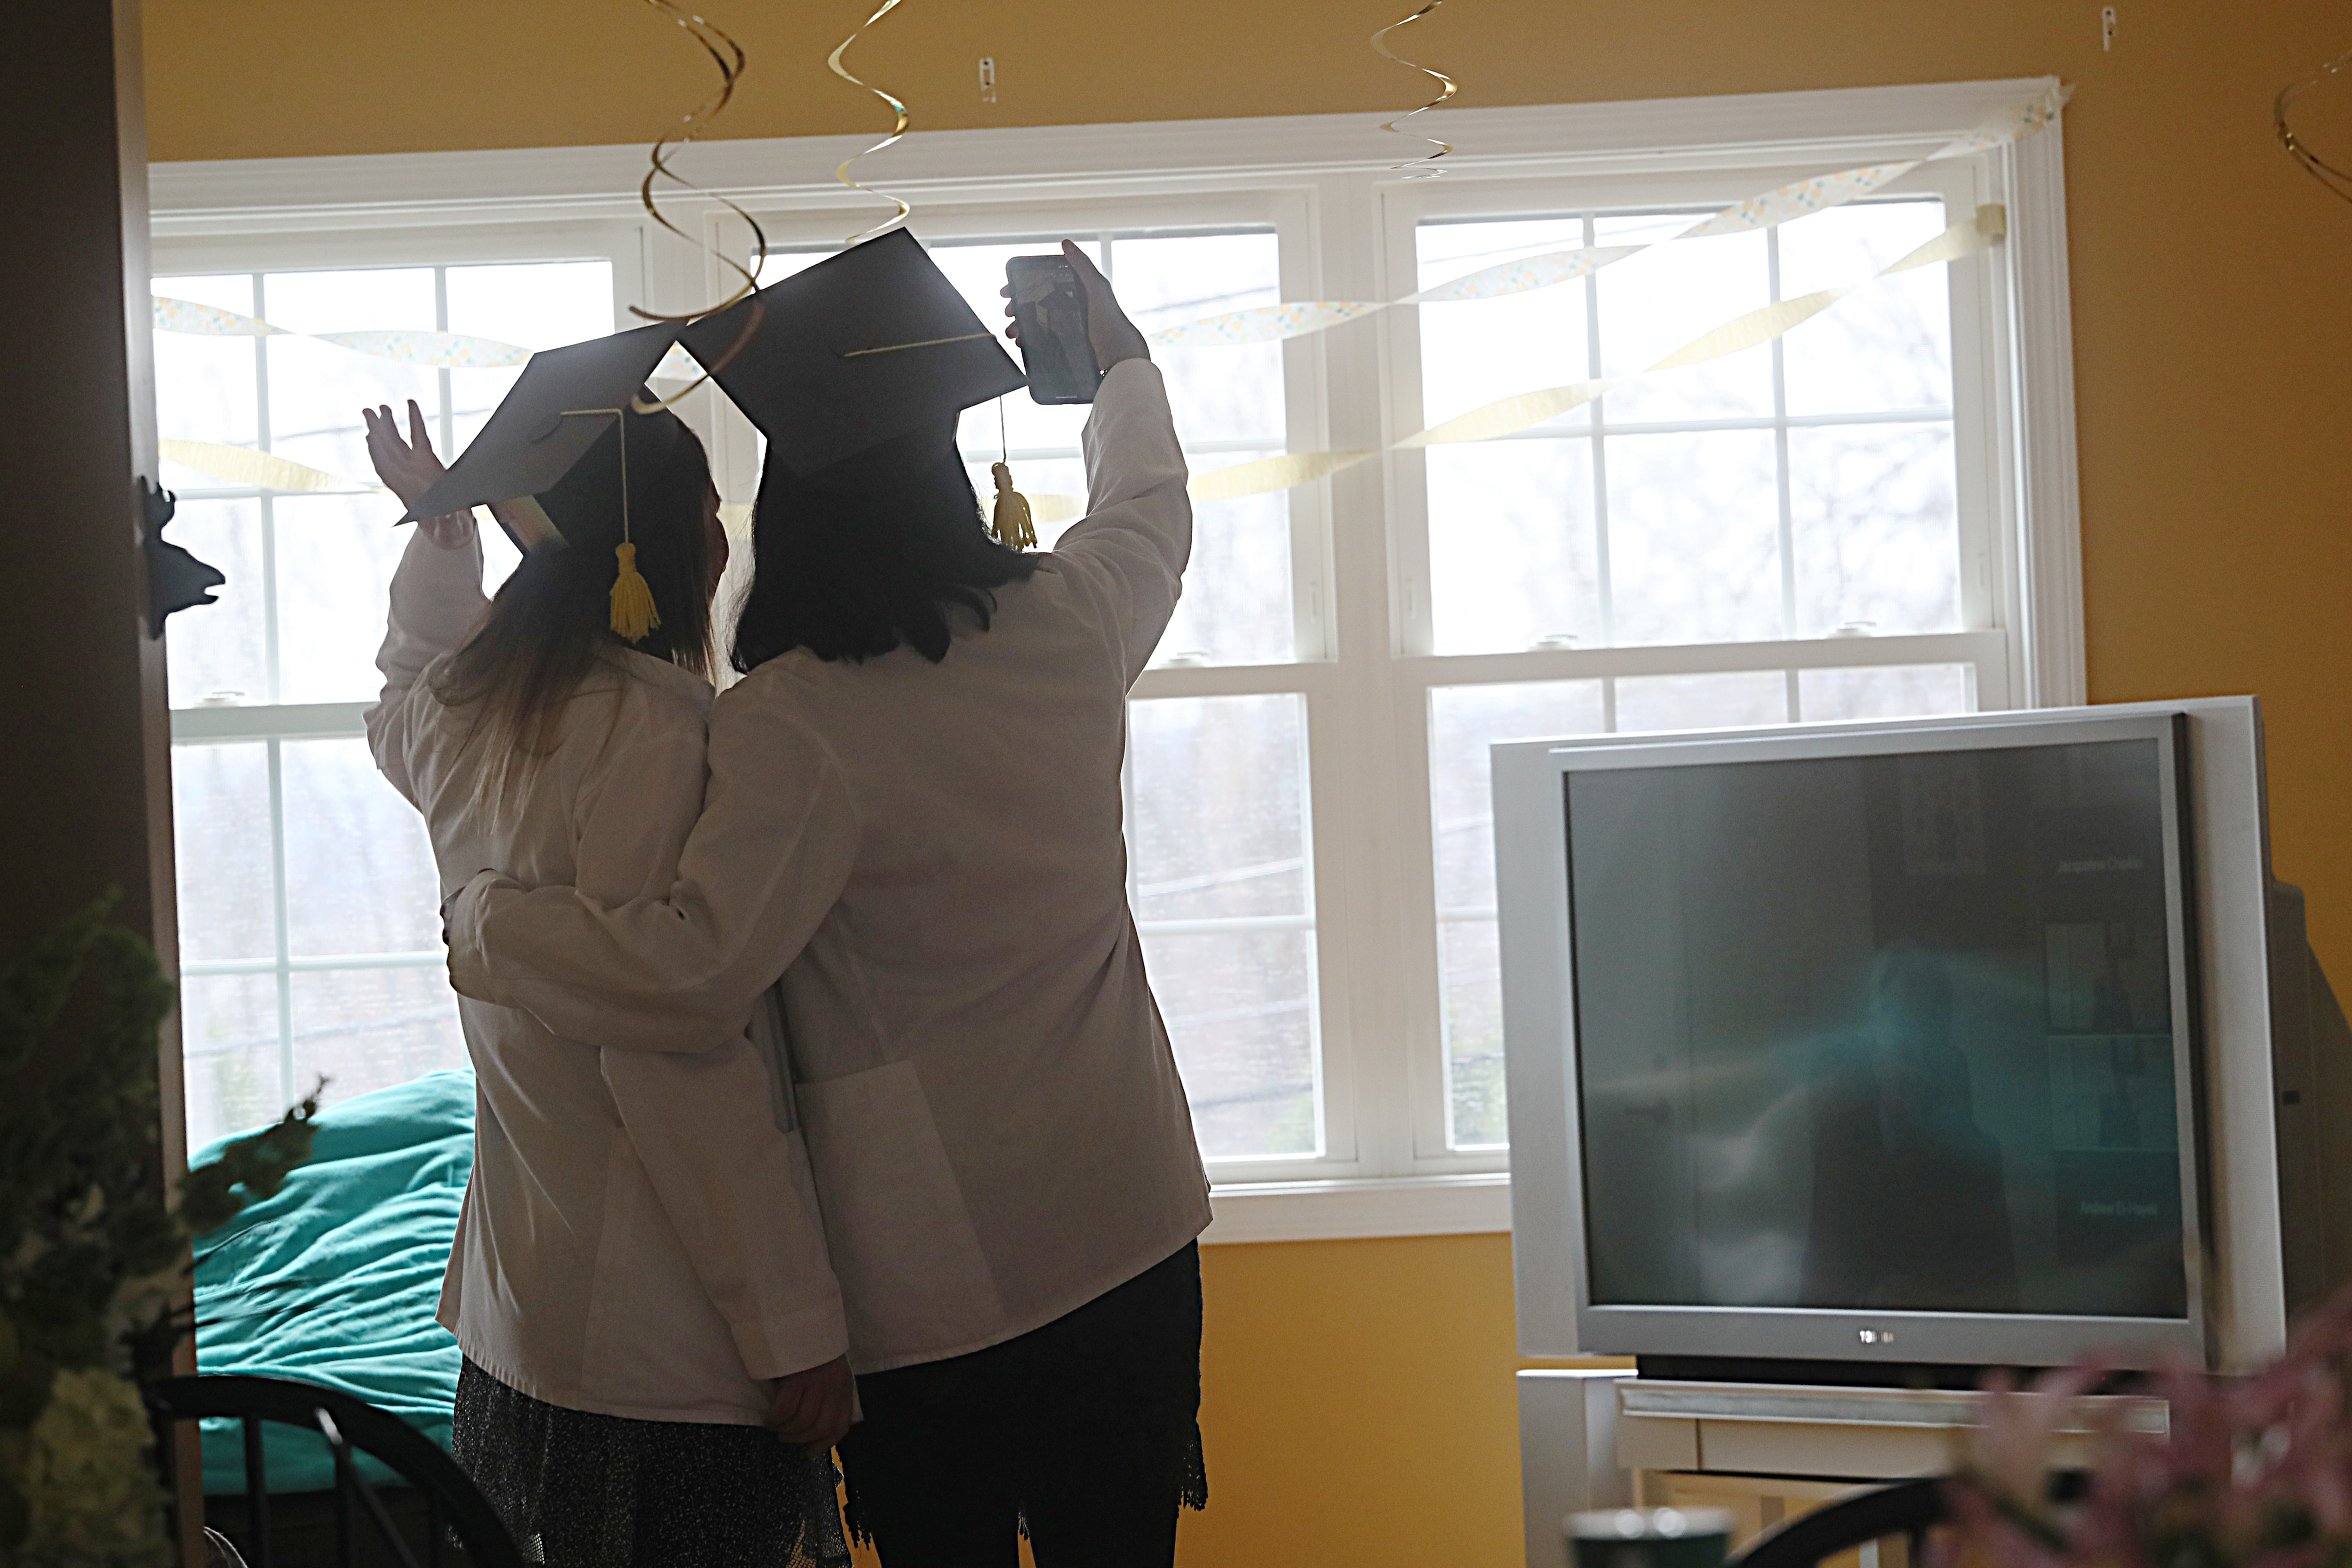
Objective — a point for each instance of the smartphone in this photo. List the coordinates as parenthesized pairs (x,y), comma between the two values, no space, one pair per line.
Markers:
(1050,308)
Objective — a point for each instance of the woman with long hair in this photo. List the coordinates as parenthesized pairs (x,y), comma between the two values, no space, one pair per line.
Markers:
(914,819)
(652,1334)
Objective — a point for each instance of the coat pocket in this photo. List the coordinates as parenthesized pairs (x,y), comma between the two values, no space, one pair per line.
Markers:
(914,1283)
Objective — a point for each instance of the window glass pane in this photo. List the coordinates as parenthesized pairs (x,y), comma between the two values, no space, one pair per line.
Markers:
(228,1053)
(1898,692)
(219,651)
(1886,346)
(1223,896)
(1236,604)
(535,305)
(205,386)
(1240,1012)
(1216,394)
(1694,537)
(335,560)
(1702,701)
(1219,821)
(1475,352)
(220,834)
(1464,721)
(366,1029)
(358,867)
(1471,969)
(1513,559)
(317,389)
(1875,520)
(1654,303)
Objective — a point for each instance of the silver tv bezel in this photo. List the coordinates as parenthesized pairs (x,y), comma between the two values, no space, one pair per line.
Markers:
(2216,880)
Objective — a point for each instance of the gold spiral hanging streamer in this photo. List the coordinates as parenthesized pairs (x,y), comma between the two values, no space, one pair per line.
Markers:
(2338,180)
(729,56)
(1444,82)
(833,63)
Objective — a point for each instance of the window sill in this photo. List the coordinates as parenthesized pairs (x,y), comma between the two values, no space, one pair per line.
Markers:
(1352,1210)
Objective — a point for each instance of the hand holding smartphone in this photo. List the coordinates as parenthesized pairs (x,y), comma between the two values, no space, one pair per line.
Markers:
(1049,317)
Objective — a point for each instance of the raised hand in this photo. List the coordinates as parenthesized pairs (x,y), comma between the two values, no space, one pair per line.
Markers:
(409,468)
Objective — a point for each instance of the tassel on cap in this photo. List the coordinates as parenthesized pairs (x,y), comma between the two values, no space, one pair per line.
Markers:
(633,599)
(1011,523)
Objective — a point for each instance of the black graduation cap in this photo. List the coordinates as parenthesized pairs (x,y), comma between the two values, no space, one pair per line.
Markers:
(867,345)
(564,404)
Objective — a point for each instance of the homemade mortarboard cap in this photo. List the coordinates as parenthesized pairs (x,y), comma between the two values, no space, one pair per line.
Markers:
(558,409)
(869,344)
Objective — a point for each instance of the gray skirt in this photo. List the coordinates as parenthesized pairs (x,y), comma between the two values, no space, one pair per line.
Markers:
(581,1490)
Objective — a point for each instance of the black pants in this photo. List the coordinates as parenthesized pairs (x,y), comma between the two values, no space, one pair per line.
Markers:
(1086,1430)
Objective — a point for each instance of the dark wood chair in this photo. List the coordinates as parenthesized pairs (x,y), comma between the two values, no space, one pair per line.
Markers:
(451,1505)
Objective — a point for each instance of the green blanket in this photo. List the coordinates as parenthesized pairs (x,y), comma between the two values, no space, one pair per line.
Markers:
(335,1279)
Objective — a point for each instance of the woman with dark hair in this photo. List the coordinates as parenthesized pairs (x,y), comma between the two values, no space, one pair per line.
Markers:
(652,1334)
(914,819)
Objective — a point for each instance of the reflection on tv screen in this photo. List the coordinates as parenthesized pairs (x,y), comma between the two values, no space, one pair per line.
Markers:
(1889,1033)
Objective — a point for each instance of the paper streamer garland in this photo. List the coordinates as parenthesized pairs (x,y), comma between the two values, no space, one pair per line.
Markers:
(1506,417)
(1800,198)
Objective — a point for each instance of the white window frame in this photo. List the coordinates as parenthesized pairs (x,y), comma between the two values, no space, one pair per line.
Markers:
(1327,185)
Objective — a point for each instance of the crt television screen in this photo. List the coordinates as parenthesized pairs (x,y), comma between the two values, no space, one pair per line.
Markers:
(1885,1033)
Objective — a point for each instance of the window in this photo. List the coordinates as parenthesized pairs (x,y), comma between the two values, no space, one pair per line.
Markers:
(309,940)
(1868,516)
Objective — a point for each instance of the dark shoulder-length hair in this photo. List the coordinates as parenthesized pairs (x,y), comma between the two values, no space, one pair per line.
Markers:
(852,569)
(552,617)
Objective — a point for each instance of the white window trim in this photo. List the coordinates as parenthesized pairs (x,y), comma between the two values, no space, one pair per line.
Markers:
(1323,175)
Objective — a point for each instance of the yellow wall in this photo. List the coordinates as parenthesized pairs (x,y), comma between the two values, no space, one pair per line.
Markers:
(1359,1407)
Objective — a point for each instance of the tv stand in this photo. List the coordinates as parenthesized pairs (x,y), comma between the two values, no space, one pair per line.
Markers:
(1762,1451)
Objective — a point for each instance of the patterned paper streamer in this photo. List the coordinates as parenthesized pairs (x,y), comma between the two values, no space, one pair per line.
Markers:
(249,466)
(450,350)
(1266,323)
(1295,318)
(1527,272)
(2012,124)
(1800,199)
(677,365)
(207,321)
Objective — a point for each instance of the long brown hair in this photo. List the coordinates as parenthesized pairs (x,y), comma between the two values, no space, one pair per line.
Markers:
(550,621)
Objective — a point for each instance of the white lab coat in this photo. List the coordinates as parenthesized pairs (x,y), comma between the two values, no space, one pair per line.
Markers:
(640,1236)
(994,1114)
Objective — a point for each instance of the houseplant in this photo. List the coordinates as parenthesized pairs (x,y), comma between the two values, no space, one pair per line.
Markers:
(2253,1472)
(93,1242)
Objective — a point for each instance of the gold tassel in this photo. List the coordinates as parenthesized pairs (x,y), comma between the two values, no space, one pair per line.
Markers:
(1010,524)
(633,601)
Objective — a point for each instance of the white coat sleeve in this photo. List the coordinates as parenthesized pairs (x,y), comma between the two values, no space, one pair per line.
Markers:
(1132,545)
(436,598)
(710,1129)
(772,851)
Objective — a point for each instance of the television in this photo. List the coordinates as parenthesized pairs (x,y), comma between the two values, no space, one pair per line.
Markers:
(1941,1043)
